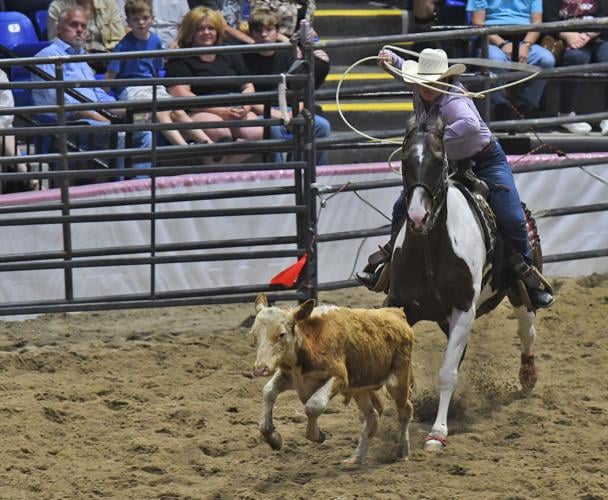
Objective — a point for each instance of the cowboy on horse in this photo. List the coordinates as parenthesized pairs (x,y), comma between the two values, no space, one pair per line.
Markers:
(468,143)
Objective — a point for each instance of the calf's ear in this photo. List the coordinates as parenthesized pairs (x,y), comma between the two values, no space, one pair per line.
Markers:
(304,310)
(261,301)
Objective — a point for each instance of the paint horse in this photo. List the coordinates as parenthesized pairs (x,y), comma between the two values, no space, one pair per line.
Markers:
(441,270)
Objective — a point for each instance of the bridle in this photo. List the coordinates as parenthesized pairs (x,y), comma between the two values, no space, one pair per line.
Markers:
(438,192)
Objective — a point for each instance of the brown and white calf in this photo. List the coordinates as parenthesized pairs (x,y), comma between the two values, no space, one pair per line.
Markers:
(324,351)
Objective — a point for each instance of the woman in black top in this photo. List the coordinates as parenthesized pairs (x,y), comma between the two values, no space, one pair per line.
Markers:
(202,27)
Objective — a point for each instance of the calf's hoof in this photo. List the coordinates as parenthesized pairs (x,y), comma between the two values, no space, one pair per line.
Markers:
(274,439)
(402,453)
(355,460)
(316,437)
(434,442)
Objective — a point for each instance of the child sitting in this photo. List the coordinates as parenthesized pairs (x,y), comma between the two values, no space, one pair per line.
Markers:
(140,19)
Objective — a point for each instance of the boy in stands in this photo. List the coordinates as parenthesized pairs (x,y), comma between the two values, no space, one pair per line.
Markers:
(139,19)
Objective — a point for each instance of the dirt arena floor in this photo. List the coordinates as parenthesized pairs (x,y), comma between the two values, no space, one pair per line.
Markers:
(161,404)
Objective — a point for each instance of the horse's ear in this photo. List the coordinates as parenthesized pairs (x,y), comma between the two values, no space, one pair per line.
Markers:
(410,127)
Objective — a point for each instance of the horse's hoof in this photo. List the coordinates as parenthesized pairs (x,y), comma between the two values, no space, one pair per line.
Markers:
(434,442)
(274,439)
(528,373)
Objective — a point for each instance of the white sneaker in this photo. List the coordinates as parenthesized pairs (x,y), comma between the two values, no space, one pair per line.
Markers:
(604,127)
(578,127)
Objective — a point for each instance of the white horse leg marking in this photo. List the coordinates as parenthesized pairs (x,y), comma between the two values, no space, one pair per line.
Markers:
(461,323)
(315,406)
(525,328)
(278,383)
(528,373)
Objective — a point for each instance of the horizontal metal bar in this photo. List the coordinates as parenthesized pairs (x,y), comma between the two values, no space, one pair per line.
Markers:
(157,260)
(159,248)
(587,254)
(174,214)
(34,308)
(582,209)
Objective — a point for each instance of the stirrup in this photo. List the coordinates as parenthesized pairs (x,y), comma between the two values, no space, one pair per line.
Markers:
(381,256)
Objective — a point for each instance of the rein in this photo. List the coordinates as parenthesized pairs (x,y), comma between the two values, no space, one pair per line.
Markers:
(438,195)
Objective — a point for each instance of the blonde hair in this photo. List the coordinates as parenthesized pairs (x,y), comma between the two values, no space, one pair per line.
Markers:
(192,21)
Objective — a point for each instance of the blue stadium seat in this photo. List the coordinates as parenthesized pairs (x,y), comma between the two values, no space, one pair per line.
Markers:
(41,18)
(16,29)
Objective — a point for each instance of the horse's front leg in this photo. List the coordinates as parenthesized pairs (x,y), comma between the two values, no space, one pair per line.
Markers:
(315,406)
(279,382)
(461,323)
(528,373)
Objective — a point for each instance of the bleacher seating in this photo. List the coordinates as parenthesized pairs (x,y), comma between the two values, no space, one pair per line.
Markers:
(41,19)
(16,29)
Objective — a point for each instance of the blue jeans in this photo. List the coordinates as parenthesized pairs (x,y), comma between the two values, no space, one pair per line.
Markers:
(322,129)
(141,139)
(528,94)
(593,51)
(492,167)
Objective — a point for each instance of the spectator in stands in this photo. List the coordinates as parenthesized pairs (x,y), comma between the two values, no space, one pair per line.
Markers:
(168,15)
(71,36)
(231,12)
(203,27)
(139,20)
(291,12)
(105,28)
(8,145)
(497,13)
(580,48)
(264,28)
(430,13)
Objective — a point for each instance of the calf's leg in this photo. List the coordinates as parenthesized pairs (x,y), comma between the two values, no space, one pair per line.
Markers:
(398,387)
(369,420)
(279,382)
(315,406)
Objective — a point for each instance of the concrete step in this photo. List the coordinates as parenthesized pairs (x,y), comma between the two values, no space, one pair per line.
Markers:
(355,22)
(347,55)
(368,114)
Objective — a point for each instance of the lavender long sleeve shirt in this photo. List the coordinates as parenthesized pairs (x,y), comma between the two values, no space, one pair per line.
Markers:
(465,132)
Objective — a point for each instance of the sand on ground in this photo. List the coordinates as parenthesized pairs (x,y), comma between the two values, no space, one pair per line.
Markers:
(161,404)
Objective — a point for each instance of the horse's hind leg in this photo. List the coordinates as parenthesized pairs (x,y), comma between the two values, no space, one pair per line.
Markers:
(528,373)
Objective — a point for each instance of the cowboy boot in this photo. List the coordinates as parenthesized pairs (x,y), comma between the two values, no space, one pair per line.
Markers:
(538,288)
(376,264)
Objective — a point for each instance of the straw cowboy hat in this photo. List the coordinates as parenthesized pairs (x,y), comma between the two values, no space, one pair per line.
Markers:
(432,65)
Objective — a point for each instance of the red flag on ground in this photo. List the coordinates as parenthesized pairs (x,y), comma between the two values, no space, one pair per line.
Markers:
(288,276)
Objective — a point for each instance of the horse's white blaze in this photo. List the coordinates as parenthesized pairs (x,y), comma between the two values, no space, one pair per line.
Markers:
(418,207)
